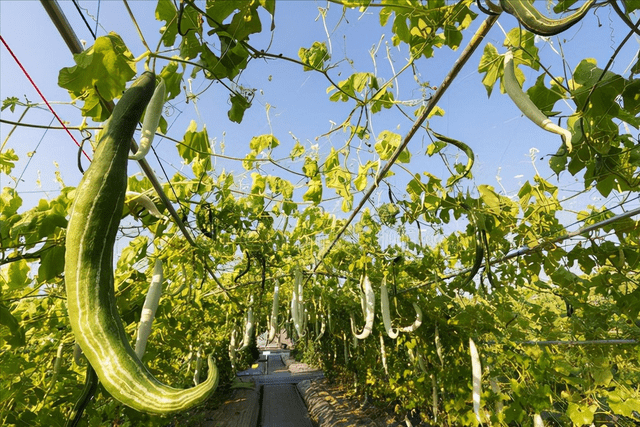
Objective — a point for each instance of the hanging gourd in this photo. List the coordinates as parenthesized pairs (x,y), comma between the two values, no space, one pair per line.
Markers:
(232,349)
(524,103)
(439,347)
(476,372)
(386,315)
(273,321)
(248,327)
(90,238)
(151,121)
(149,308)
(297,305)
(134,199)
(384,308)
(369,308)
(383,354)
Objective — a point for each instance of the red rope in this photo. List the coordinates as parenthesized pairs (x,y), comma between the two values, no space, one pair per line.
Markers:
(40,93)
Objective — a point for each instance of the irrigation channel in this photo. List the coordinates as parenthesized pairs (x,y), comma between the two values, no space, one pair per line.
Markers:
(275,401)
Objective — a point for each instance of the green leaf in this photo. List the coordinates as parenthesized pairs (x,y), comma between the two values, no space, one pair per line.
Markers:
(526,52)
(387,144)
(7,161)
(338,178)
(297,151)
(491,64)
(563,5)
(7,319)
(314,191)
(631,97)
(10,202)
(310,167)
(581,414)
(621,404)
(490,198)
(263,142)
(101,73)
(41,221)
(51,263)
(16,275)
(360,182)
(259,183)
(166,11)
(315,57)
(280,186)
(558,162)
(543,97)
(435,147)
(350,87)
(172,79)
(244,22)
(239,104)
(10,103)
(195,145)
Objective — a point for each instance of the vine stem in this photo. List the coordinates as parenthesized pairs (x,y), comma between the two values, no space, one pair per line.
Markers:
(15,126)
(525,250)
(457,66)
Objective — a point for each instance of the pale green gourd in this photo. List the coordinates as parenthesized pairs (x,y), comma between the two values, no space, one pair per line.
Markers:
(91,302)
(524,103)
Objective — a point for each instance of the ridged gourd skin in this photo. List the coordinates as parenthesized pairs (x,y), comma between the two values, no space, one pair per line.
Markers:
(89,280)
(530,18)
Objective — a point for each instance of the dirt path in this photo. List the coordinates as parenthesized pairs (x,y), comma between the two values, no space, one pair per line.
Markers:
(281,392)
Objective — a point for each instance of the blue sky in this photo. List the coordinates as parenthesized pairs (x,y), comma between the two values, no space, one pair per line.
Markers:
(493,127)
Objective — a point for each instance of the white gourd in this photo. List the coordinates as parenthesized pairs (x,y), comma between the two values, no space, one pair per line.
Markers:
(149,308)
(232,349)
(297,304)
(384,307)
(198,370)
(439,347)
(370,304)
(476,371)
(434,397)
(151,121)
(273,323)
(496,389)
(383,353)
(248,328)
(416,324)
(537,421)
(323,326)
(386,314)
(134,198)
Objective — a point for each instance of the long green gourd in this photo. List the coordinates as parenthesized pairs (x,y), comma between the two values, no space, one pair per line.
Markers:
(89,389)
(524,103)
(297,304)
(462,146)
(273,320)
(531,18)
(91,301)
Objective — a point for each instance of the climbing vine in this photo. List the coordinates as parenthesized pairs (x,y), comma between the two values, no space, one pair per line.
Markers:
(543,281)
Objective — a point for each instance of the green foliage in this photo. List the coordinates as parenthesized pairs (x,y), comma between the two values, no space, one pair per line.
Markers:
(253,226)
(100,75)
(315,57)
(7,161)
